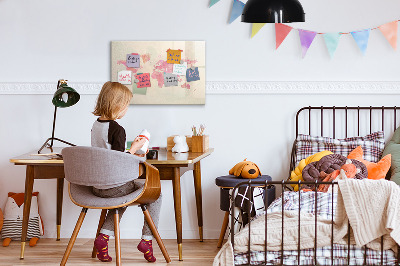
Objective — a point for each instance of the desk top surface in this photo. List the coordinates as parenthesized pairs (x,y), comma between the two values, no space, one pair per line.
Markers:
(164,157)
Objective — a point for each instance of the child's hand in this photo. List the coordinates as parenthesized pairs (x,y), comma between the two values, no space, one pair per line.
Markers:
(143,155)
(137,144)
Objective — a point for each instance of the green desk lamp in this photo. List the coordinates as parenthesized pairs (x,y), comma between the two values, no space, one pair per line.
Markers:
(65,96)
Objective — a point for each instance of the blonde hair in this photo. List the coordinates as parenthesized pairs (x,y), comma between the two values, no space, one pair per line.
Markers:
(112,99)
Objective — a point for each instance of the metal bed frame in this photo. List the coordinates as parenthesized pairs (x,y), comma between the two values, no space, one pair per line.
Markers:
(283,184)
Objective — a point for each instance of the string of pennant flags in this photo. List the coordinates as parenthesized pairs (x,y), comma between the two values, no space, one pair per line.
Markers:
(361,37)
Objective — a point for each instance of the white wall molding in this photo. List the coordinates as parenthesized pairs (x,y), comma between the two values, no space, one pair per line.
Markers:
(233,87)
(304,87)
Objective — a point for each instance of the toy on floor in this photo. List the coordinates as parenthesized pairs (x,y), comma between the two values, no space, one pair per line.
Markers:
(245,169)
(13,215)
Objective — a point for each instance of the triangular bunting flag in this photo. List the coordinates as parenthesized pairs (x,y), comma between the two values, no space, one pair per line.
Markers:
(213,2)
(389,30)
(281,31)
(237,9)
(256,27)
(361,37)
(306,39)
(332,41)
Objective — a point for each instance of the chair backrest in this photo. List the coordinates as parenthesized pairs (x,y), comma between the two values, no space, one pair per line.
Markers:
(91,166)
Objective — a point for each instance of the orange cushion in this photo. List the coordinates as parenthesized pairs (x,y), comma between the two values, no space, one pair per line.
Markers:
(375,170)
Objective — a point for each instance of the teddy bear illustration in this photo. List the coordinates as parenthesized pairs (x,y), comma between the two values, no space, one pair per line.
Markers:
(13,215)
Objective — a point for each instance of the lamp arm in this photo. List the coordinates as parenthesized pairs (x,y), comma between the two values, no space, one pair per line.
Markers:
(54,126)
(54,119)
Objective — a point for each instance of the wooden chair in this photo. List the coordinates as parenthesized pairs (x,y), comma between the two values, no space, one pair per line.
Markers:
(85,167)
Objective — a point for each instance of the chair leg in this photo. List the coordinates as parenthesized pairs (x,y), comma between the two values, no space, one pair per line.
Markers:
(117,239)
(101,222)
(73,237)
(154,230)
(223,229)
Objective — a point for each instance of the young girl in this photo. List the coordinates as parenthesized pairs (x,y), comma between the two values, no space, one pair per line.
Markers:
(112,104)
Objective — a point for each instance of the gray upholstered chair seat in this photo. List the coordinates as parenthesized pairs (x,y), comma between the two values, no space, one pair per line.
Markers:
(83,196)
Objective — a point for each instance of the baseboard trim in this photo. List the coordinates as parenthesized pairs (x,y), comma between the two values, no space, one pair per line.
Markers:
(230,87)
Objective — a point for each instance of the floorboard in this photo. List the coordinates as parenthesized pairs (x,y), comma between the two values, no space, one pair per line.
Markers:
(50,252)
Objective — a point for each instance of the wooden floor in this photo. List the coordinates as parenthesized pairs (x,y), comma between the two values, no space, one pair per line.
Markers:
(50,252)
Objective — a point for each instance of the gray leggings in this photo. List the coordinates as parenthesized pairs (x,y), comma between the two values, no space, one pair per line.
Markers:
(154,208)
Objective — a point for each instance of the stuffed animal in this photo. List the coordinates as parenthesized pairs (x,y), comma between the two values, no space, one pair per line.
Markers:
(245,169)
(180,144)
(13,215)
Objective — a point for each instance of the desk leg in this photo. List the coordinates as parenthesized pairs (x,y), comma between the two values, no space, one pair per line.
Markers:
(27,206)
(199,204)
(176,182)
(60,190)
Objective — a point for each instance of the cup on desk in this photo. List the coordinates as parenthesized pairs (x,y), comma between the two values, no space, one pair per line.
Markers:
(152,155)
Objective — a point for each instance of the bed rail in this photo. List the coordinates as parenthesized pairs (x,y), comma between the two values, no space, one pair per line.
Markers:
(331,121)
(265,185)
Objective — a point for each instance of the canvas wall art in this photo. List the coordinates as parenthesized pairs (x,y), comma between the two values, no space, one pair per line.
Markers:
(161,72)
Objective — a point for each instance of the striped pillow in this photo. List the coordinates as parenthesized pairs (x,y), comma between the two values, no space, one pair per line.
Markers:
(372,145)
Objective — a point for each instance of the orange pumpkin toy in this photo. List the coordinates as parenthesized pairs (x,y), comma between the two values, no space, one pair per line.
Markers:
(245,169)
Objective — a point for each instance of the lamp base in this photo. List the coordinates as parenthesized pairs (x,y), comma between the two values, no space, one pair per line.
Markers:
(50,146)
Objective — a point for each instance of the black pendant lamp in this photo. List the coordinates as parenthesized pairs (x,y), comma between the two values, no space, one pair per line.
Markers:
(273,11)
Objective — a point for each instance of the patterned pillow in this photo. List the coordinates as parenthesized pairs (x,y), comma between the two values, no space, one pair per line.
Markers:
(372,144)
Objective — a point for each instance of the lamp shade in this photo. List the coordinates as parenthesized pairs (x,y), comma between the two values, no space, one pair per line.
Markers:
(273,11)
(65,96)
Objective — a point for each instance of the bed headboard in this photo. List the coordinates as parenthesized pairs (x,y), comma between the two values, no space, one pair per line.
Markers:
(347,116)
(344,121)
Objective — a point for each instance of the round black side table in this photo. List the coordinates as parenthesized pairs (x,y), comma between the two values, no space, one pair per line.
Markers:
(228,182)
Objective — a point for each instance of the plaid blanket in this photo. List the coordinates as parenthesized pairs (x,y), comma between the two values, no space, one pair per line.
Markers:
(340,254)
(323,205)
(306,201)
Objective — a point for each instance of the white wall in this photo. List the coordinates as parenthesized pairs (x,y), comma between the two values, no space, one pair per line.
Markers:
(42,41)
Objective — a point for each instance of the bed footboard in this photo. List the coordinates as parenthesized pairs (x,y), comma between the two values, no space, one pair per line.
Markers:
(311,259)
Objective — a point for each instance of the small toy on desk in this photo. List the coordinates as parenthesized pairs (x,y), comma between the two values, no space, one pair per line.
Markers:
(180,144)
(245,169)
(13,215)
